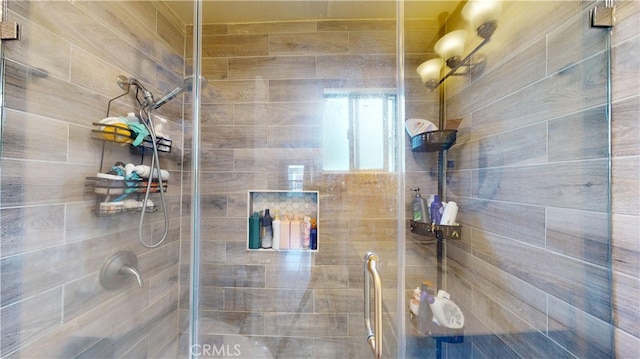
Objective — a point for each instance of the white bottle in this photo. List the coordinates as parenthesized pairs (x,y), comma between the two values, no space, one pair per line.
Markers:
(295,241)
(449,214)
(285,230)
(446,313)
(276,232)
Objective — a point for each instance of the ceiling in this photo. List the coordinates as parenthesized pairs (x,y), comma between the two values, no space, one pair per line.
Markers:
(240,11)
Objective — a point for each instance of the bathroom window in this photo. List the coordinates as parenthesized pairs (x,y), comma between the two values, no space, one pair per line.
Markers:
(358,131)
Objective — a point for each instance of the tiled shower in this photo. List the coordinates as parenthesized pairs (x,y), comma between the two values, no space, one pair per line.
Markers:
(262,111)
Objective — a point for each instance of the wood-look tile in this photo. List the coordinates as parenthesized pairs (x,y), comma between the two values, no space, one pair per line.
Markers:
(355,66)
(232,45)
(341,348)
(372,42)
(568,185)
(518,296)
(272,27)
(560,94)
(53,55)
(227,322)
(316,325)
(626,25)
(625,193)
(234,91)
(626,345)
(236,136)
(21,85)
(276,160)
(625,131)
(579,136)
(163,282)
(312,43)
(579,332)
(163,338)
(159,259)
(280,113)
(272,67)
(31,228)
(573,41)
(518,147)
(30,183)
(89,328)
(625,298)
(580,234)
(584,285)
(268,300)
(516,333)
(294,137)
(296,90)
(625,242)
(421,40)
(502,81)
(338,301)
(169,32)
(28,319)
(356,25)
(233,275)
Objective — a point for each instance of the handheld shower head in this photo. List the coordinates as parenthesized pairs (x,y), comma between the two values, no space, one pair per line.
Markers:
(124,83)
(186,85)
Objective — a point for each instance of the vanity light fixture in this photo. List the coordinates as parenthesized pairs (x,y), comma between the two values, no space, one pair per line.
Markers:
(482,15)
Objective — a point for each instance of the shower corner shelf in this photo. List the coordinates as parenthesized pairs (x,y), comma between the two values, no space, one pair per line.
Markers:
(433,141)
(430,230)
(114,133)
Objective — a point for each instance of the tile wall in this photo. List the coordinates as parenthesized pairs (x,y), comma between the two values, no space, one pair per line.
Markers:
(262,111)
(60,76)
(530,174)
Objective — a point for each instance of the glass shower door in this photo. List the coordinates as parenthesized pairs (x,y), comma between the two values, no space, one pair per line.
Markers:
(530,174)
(297,93)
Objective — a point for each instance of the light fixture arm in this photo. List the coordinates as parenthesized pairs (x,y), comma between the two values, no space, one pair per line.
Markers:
(463,62)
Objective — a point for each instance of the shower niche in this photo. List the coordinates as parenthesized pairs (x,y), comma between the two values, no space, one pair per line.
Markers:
(294,212)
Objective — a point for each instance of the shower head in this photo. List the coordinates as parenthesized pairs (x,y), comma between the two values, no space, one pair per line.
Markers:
(186,85)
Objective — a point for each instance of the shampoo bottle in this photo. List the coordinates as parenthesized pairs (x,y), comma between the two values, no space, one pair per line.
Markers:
(313,242)
(254,231)
(285,229)
(276,231)
(419,207)
(436,210)
(267,224)
(294,236)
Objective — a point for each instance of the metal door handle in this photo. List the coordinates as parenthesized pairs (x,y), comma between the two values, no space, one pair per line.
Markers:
(374,338)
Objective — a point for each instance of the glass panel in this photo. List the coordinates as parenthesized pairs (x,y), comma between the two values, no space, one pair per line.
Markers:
(264,117)
(529,172)
(57,84)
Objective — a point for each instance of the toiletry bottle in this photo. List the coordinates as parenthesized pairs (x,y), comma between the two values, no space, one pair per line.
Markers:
(254,231)
(267,224)
(445,312)
(449,214)
(276,232)
(296,227)
(285,229)
(419,207)
(424,311)
(430,200)
(436,210)
(306,232)
(313,235)
(414,303)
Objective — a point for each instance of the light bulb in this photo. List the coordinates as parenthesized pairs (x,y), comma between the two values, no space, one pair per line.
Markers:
(429,72)
(451,47)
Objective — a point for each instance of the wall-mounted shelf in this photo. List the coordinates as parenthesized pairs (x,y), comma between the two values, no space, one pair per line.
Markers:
(433,141)
(430,230)
(119,134)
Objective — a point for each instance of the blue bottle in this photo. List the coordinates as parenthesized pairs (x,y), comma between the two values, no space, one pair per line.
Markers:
(254,231)
(436,210)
